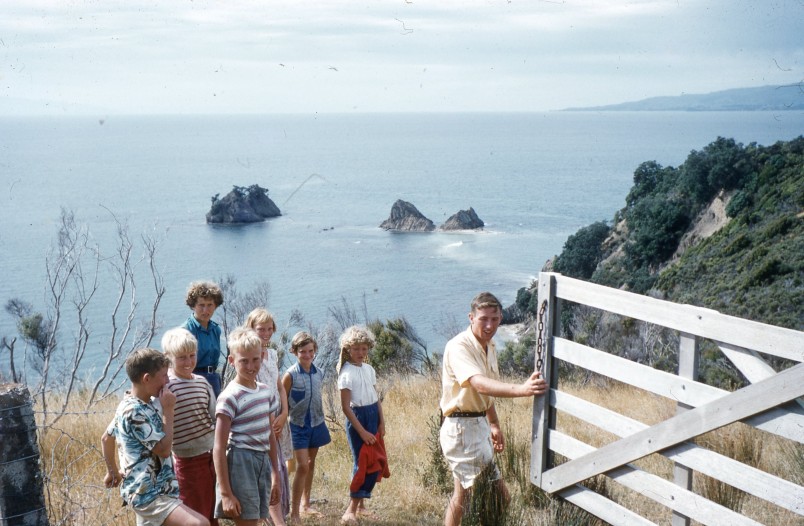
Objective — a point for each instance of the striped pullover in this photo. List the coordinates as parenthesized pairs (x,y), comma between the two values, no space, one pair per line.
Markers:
(194,420)
(249,410)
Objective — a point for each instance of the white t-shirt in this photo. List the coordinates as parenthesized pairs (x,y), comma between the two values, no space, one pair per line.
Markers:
(361,382)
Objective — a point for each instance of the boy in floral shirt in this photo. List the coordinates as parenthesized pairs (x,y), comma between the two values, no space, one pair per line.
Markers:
(147,481)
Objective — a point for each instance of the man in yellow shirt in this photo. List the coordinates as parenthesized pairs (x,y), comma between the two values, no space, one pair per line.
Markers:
(471,431)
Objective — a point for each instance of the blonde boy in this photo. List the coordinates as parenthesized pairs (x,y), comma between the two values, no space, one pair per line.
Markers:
(194,426)
(147,481)
(245,447)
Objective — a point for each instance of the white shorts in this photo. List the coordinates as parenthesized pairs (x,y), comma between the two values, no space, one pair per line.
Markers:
(156,512)
(466,443)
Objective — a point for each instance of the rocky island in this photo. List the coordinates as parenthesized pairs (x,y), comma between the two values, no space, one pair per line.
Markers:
(406,218)
(463,220)
(243,205)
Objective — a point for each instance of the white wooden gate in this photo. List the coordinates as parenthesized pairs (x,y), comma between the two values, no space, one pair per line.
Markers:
(772,402)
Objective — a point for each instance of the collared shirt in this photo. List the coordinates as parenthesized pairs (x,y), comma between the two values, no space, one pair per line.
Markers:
(209,341)
(464,357)
(137,428)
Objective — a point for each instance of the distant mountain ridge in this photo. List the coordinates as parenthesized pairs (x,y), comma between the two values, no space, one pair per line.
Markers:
(765,98)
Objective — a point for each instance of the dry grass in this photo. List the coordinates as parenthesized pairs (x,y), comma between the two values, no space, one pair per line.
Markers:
(74,469)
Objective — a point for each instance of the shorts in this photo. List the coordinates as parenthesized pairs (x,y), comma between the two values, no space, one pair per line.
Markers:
(156,512)
(466,444)
(196,478)
(250,480)
(306,437)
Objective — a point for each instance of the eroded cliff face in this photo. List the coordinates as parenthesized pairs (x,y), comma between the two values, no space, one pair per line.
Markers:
(406,218)
(708,222)
(463,220)
(243,205)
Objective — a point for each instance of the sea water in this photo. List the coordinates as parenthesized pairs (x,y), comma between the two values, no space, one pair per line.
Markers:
(533,178)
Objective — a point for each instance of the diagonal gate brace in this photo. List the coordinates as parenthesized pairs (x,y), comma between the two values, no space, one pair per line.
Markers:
(756,398)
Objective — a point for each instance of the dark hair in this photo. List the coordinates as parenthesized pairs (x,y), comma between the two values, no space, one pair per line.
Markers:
(145,361)
(485,300)
(300,339)
(204,289)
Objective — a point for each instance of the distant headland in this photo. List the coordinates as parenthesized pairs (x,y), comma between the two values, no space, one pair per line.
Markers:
(765,98)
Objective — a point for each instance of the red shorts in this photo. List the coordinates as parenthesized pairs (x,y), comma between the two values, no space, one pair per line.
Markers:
(196,477)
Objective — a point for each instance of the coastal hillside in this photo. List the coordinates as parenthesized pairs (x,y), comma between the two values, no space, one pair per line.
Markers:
(724,230)
(764,98)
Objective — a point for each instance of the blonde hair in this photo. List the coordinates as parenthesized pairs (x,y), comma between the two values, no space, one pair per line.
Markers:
(177,342)
(300,339)
(352,336)
(258,316)
(241,339)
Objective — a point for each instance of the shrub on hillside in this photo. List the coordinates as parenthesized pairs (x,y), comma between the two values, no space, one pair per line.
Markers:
(399,348)
(518,357)
(583,251)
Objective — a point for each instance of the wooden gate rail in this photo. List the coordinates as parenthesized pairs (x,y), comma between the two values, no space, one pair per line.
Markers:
(774,402)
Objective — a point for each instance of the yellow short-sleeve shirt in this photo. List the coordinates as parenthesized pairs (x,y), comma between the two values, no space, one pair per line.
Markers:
(464,358)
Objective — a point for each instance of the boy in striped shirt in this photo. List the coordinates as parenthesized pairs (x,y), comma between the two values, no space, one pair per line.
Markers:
(193,425)
(245,448)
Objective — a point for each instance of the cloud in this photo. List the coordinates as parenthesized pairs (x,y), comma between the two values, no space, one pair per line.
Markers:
(249,56)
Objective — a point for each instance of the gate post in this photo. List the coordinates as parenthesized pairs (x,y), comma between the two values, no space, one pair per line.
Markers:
(543,415)
(688,359)
(22,500)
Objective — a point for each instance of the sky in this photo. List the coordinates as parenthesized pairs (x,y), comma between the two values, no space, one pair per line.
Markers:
(110,57)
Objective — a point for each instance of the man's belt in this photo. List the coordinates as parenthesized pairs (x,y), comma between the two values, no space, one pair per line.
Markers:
(209,369)
(466,414)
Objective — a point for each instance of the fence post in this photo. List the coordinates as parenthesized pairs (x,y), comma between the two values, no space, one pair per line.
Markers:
(543,416)
(22,500)
(688,358)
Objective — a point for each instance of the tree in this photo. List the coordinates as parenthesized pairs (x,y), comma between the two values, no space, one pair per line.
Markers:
(583,251)
(73,268)
(656,224)
(647,179)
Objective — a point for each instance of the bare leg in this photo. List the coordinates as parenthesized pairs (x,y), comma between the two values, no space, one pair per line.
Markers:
(184,516)
(503,491)
(275,512)
(350,515)
(364,512)
(460,497)
(308,484)
(299,483)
